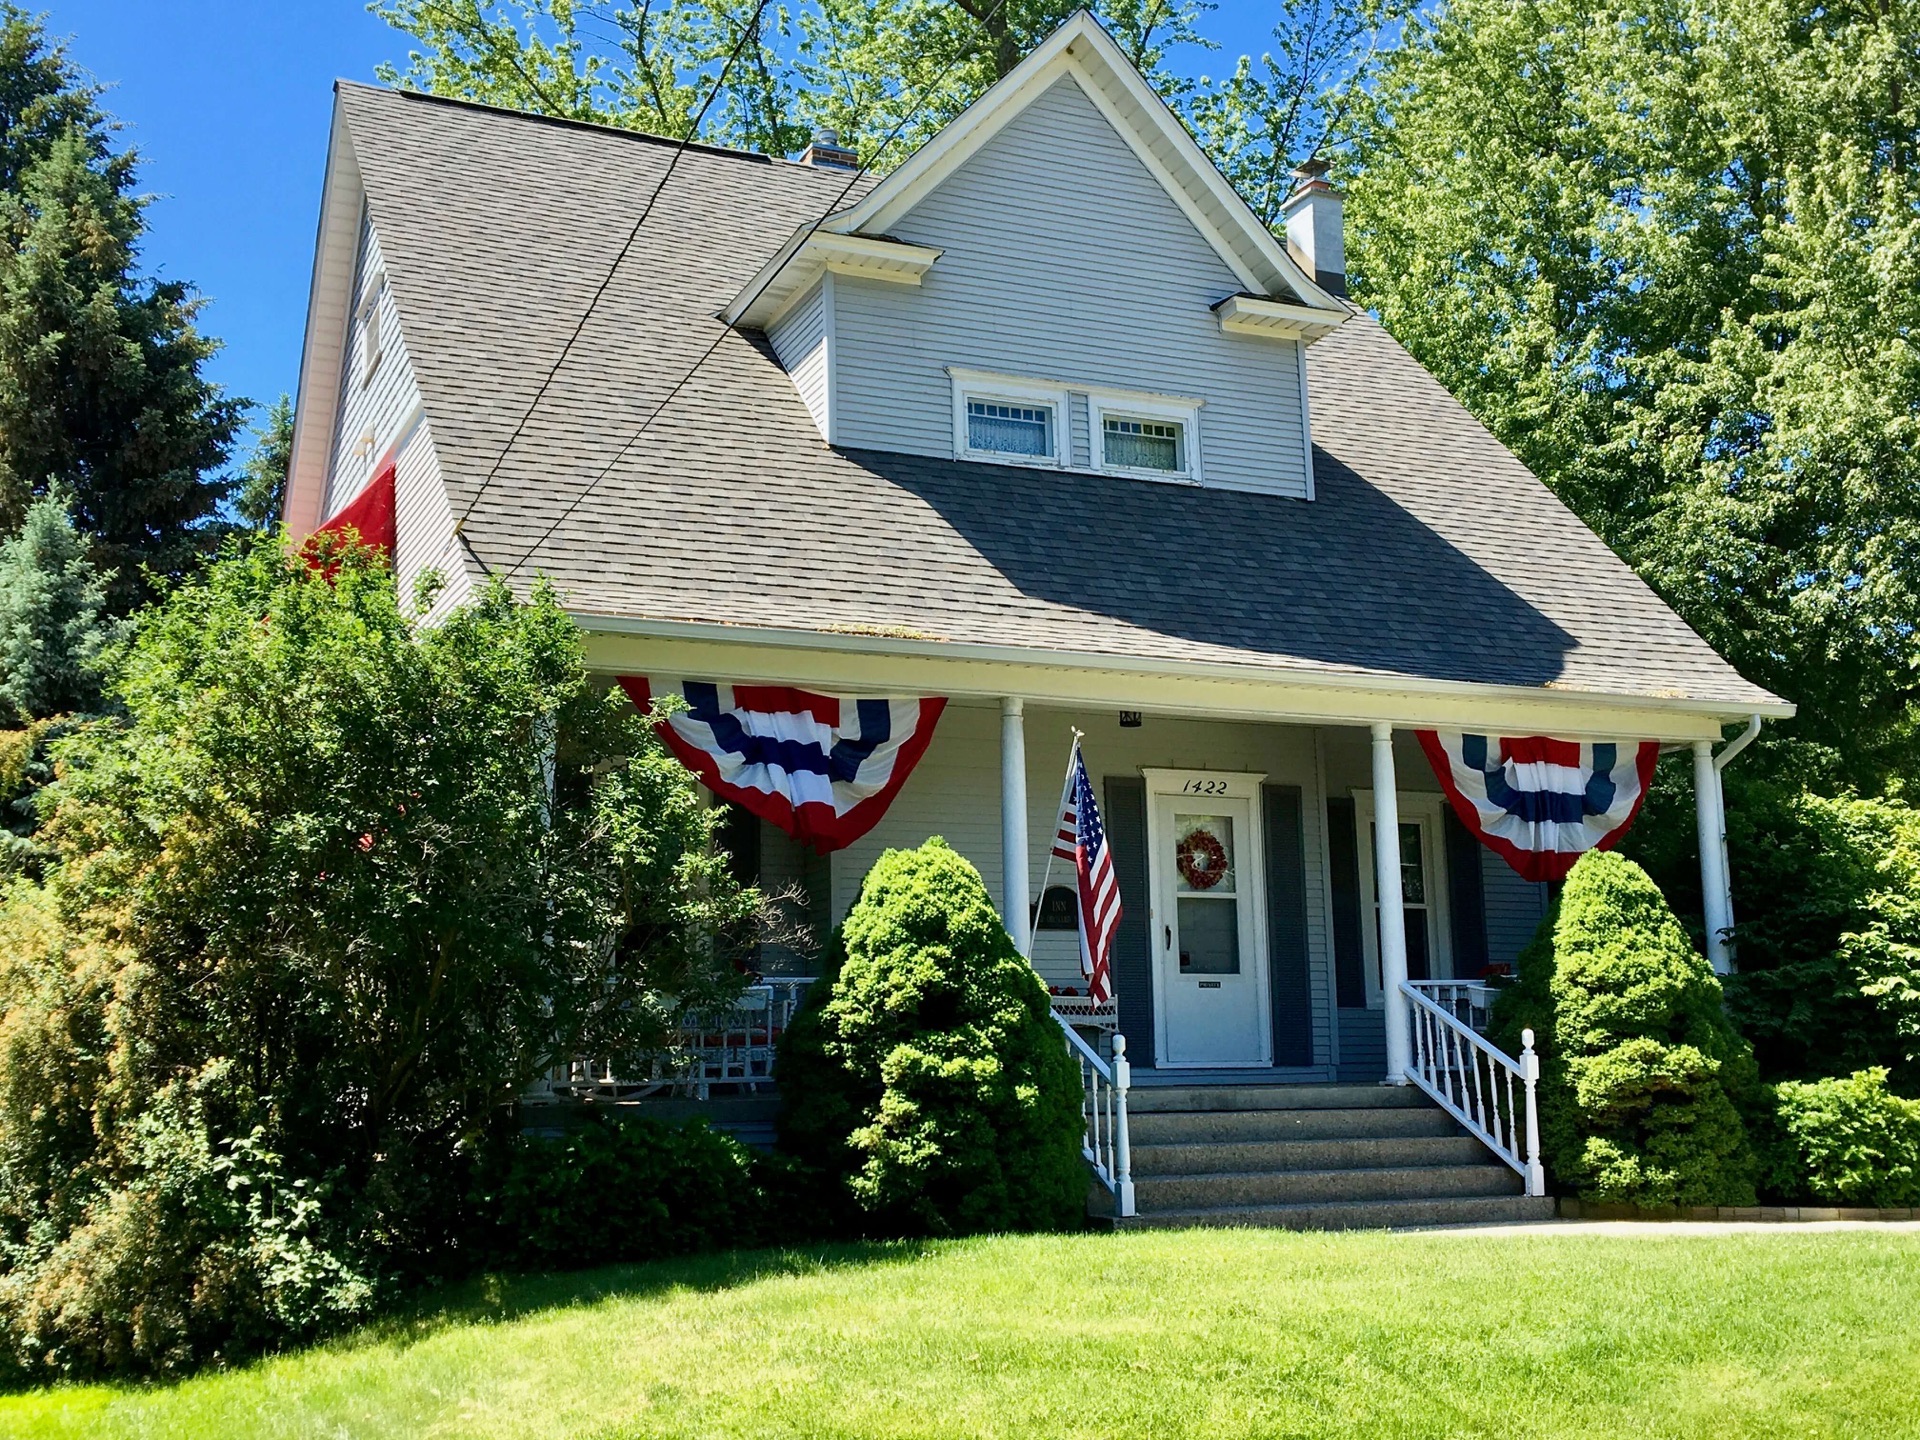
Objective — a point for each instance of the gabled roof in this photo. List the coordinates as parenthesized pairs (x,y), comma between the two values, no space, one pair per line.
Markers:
(1082,49)
(1431,558)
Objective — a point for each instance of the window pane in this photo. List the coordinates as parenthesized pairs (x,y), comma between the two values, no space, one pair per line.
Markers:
(1209,936)
(1010,429)
(1203,854)
(1413,875)
(1143,444)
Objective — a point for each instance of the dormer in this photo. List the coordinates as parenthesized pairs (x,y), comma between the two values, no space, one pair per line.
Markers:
(1060,279)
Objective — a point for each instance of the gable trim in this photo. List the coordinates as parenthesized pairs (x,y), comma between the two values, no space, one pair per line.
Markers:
(1083,49)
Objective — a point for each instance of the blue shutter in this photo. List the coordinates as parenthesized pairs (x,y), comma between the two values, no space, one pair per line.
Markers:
(1349,947)
(1292,997)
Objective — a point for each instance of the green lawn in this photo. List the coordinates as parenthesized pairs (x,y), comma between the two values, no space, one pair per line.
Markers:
(1217,1334)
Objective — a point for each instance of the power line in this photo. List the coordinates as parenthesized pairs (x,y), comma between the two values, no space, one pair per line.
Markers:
(751,29)
(705,355)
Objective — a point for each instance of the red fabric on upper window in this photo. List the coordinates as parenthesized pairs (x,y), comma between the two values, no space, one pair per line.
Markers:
(370,513)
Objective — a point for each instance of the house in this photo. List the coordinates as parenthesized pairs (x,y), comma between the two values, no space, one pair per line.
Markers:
(1047,427)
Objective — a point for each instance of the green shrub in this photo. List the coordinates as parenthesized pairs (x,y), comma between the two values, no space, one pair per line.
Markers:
(1642,1074)
(314,857)
(1844,1141)
(1827,890)
(632,1189)
(932,1076)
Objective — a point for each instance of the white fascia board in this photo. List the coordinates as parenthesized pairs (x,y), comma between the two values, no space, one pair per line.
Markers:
(1275,319)
(1249,691)
(809,252)
(330,303)
(1082,48)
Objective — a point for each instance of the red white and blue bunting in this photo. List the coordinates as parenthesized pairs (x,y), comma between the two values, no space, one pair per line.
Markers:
(824,768)
(1541,804)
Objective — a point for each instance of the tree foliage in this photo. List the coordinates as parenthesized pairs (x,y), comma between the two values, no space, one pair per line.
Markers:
(932,1073)
(311,923)
(53,630)
(1667,253)
(1642,1073)
(866,70)
(263,483)
(101,390)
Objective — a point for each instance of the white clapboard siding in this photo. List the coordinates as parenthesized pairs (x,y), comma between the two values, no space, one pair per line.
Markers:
(800,338)
(1064,260)
(956,793)
(380,419)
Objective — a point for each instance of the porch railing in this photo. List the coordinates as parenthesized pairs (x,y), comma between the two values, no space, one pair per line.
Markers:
(1103,1108)
(1470,1001)
(730,1048)
(1476,1083)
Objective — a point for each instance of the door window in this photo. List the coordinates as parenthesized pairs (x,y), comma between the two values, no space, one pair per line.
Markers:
(1206,894)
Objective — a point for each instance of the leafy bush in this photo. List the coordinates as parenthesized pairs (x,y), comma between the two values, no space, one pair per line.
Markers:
(1827,895)
(931,1076)
(618,1191)
(308,924)
(1642,1073)
(1844,1141)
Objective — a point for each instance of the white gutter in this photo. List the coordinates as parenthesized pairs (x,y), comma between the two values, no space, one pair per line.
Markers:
(1740,742)
(867,643)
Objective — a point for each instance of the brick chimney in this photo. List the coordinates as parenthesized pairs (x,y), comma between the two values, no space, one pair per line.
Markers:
(827,153)
(1316,227)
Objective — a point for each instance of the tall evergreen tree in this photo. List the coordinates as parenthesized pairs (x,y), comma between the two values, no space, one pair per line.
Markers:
(263,484)
(101,384)
(52,625)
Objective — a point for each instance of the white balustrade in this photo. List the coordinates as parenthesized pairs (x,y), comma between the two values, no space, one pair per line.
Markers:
(1470,1001)
(1103,1107)
(730,1048)
(1474,1081)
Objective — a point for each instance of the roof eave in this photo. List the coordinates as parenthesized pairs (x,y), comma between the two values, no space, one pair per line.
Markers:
(1253,671)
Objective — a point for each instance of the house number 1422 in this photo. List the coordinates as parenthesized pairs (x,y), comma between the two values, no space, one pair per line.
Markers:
(1204,787)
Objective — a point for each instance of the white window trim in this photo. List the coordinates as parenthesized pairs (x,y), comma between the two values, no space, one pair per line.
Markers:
(1009,390)
(372,328)
(1101,402)
(1124,405)
(1425,809)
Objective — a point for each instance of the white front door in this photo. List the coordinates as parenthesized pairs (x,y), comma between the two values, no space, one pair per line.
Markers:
(1210,954)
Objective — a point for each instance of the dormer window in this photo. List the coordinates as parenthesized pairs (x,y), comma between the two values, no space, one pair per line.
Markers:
(998,428)
(1144,444)
(1004,420)
(1152,437)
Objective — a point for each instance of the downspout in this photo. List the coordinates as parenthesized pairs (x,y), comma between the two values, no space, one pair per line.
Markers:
(1715,871)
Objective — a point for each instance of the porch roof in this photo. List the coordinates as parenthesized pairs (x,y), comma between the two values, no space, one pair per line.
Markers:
(1430,553)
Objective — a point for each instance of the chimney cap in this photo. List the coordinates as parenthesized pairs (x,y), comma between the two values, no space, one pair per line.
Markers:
(827,153)
(1310,170)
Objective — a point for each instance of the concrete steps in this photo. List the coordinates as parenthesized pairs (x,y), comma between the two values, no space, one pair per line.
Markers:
(1329,1157)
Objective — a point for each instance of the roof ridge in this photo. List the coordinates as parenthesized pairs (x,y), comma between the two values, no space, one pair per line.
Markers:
(461,102)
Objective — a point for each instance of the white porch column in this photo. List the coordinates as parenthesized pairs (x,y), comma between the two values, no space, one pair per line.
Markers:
(1013,820)
(1716,894)
(1393,913)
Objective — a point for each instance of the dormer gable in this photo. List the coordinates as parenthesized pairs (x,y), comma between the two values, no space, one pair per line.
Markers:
(1057,279)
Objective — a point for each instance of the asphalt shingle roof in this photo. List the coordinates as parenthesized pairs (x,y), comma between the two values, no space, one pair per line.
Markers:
(1429,551)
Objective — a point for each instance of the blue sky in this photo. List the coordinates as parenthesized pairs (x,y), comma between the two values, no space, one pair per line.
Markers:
(228,103)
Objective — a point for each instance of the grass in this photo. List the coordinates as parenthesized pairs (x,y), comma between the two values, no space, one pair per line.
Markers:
(1217,1334)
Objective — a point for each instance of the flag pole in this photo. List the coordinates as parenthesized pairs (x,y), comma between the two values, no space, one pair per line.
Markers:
(1046,869)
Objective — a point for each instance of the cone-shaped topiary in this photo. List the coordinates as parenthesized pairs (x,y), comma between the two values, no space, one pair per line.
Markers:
(933,1076)
(1641,1069)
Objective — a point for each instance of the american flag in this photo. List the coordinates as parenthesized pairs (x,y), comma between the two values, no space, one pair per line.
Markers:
(1081,838)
